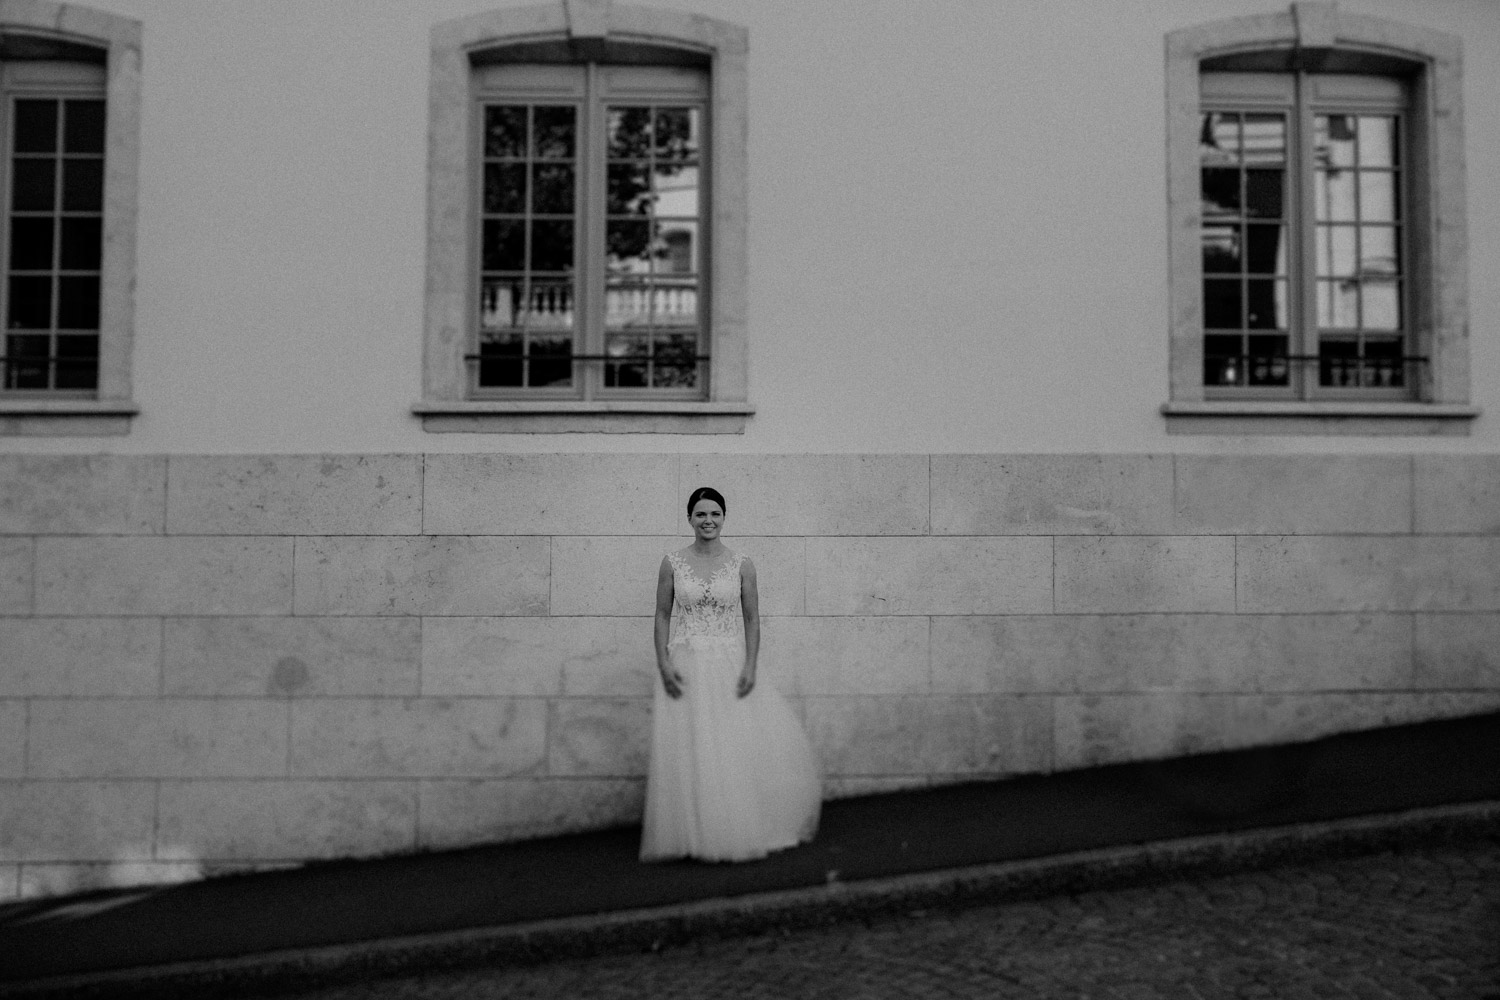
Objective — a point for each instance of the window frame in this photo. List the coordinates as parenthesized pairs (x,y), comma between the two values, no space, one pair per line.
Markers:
(580,31)
(1318,37)
(46,30)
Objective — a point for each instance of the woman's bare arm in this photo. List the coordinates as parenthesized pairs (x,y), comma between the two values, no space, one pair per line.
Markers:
(750,605)
(670,678)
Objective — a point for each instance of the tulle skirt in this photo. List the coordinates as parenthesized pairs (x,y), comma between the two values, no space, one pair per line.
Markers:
(731,779)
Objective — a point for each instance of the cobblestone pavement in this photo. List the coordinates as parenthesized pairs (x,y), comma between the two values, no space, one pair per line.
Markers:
(1423,922)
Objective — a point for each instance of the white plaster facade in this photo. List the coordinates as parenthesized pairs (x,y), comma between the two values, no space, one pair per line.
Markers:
(278,621)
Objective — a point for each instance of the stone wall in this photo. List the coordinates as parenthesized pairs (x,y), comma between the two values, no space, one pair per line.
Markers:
(209,663)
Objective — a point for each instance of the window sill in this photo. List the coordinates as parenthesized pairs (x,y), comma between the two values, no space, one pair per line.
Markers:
(1267,417)
(70,417)
(634,416)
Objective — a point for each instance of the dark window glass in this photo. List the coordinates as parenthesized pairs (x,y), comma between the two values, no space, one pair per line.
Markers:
(77,303)
(83,185)
(82,240)
(35,127)
(77,362)
(83,127)
(33,185)
(30,303)
(31,244)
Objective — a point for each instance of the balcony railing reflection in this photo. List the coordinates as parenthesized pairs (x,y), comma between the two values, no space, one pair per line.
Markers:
(1331,370)
(505,306)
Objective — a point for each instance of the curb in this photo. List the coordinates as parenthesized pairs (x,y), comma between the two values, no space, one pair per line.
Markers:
(643,929)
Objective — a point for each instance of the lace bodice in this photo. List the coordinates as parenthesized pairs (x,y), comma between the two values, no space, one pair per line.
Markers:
(706,607)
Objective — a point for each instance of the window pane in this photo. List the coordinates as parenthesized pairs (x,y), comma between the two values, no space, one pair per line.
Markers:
(81,242)
(552,189)
(1334,191)
(1338,302)
(549,306)
(554,132)
(674,366)
(1221,304)
(504,245)
(1222,363)
(500,361)
(1333,139)
(1377,141)
(628,245)
(1266,305)
(500,305)
(1265,139)
(629,131)
(676,133)
(1338,363)
(1377,249)
(30,304)
(1381,304)
(627,304)
(26,361)
(1263,193)
(629,189)
(1221,249)
(676,247)
(83,127)
(35,127)
(1219,138)
(552,245)
(77,362)
(30,244)
(1267,363)
(1221,192)
(505,130)
(83,185)
(33,185)
(1384,367)
(674,303)
(676,190)
(505,187)
(1377,196)
(77,303)
(627,365)
(550,361)
(1335,250)
(1265,249)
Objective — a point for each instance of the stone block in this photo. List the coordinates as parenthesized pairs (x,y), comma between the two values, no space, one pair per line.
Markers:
(537,657)
(813,494)
(1423,573)
(551,494)
(12,738)
(82,494)
(928,576)
(16,562)
(164,576)
(294,495)
(1136,574)
(924,734)
(418,737)
(75,820)
(441,575)
(1293,494)
(830,656)
(89,657)
(286,819)
(1102,729)
(1458,494)
(66,878)
(1200,652)
(599,737)
(617,576)
(291,657)
(1051,494)
(1458,651)
(138,738)
(458,813)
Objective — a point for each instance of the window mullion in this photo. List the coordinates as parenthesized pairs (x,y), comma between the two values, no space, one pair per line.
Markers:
(1305,337)
(591,255)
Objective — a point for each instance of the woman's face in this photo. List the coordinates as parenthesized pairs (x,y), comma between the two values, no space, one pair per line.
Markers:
(707,518)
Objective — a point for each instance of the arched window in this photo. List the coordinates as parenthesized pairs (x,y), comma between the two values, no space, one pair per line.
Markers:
(586,222)
(69,102)
(1317,226)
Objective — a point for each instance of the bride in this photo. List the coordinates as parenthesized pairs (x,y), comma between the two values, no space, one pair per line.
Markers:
(732,775)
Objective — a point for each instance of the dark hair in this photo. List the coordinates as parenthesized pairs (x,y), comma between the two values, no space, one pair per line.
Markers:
(706,493)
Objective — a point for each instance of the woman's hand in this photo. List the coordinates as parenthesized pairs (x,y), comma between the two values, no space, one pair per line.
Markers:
(746,684)
(672,681)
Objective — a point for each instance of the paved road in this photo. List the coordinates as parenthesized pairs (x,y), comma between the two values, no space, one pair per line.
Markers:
(1419,923)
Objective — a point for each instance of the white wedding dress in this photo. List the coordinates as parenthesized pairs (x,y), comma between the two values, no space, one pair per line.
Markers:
(731,778)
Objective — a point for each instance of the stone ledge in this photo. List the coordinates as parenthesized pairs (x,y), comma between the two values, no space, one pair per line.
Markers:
(1332,417)
(632,416)
(74,417)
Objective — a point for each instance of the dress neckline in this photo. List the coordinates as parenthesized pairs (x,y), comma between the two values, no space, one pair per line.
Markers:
(688,567)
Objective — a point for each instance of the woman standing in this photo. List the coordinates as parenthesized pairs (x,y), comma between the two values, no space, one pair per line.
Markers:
(732,775)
